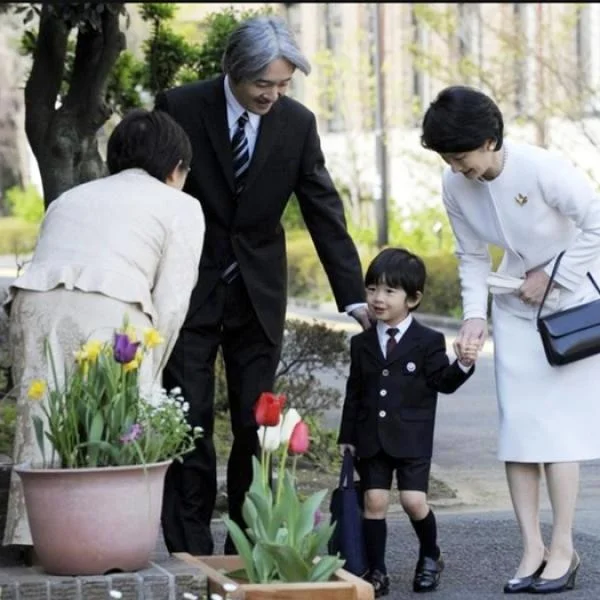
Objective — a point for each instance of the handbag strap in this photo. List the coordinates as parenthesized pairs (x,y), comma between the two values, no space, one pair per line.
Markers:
(551,280)
(347,471)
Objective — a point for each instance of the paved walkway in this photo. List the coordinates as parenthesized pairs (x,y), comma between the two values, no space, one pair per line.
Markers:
(481,551)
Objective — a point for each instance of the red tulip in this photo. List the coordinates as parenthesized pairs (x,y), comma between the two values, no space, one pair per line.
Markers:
(267,410)
(299,439)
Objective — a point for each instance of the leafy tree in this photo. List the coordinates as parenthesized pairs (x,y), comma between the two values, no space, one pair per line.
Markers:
(62,124)
(81,75)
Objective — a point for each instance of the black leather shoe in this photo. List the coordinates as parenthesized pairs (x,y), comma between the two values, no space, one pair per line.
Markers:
(427,574)
(380,583)
(551,586)
(517,585)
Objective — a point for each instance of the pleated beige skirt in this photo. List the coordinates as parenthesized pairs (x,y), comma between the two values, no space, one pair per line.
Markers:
(67,319)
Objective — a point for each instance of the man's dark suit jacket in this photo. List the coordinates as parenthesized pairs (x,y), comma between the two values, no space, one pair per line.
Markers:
(287,158)
(390,403)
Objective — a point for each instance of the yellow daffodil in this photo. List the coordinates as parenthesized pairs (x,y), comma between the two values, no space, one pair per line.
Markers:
(134,364)
(131,365)
(37,389)
(81,356)
(152,338)
(92,349)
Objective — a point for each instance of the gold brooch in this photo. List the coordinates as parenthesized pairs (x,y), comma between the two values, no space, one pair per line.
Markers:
(520,199)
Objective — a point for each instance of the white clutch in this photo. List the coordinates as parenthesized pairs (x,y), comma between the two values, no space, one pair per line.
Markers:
(506,284)
(503,284)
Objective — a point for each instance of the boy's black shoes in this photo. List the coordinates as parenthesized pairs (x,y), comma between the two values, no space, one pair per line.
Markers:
(427,574)
(380,583)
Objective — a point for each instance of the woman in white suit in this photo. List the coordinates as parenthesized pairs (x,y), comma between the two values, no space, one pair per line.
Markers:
(126,244)
(533,204)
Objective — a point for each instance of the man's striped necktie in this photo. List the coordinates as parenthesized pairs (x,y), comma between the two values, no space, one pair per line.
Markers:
(241,153)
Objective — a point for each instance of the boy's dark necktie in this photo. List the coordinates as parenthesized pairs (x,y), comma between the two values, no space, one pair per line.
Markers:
(241,153)
(391,343)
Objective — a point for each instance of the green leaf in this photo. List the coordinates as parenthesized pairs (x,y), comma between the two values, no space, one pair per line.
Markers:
(317,541)
(243,547)
(263,509)
(325,568)
(249,513)
(264,564)
(95,437)
(306,516)
(38,426)
(288,562)
(291,507)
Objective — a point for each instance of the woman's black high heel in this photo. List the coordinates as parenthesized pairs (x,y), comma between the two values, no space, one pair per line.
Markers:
(566,582)
(518,585)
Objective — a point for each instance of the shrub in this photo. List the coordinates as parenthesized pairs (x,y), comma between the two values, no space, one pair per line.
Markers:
(442,289)
(25,203)
(308,350)
(306,276)
(17,236)
(8,416)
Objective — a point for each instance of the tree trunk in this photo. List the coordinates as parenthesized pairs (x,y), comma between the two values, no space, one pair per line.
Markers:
(63,138)
(13,146)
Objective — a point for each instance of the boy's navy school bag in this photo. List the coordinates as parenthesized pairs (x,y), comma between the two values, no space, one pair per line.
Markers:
(346,509)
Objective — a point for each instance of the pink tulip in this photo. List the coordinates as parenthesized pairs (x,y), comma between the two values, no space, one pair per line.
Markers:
(299,440)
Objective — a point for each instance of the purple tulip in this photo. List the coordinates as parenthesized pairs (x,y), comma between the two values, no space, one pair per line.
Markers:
(124,349)
(133,434)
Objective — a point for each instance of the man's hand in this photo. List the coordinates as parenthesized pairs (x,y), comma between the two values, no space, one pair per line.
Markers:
(471,337)
(362,316)
(533,288)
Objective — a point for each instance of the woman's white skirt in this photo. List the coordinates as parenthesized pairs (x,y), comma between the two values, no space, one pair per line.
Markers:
(67,319)
(547,414)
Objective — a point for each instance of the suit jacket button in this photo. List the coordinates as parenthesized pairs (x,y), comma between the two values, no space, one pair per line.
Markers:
(382,413)
(385,372)
(383,392)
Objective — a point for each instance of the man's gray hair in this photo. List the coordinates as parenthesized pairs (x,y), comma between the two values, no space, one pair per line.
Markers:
(256,43)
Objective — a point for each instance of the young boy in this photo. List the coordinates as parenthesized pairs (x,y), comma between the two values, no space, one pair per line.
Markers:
(397,369)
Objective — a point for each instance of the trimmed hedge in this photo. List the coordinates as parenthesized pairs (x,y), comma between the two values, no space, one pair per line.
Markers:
(307,278)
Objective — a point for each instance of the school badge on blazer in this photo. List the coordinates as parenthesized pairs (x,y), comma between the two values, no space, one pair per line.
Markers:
(520,199)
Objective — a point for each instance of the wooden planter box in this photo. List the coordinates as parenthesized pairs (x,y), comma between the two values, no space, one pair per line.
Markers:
(343,586)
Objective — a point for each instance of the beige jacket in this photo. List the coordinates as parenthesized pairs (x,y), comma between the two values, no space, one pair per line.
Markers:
(128,236)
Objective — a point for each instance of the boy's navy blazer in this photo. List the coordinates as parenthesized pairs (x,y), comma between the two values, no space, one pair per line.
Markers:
(390,402)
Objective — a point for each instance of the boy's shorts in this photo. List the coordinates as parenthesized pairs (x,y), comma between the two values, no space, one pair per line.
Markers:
(377,472)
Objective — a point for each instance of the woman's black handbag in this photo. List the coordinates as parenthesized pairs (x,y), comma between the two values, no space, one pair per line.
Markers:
(570,334)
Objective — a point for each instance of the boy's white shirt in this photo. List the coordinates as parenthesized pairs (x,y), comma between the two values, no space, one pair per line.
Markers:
(402,327)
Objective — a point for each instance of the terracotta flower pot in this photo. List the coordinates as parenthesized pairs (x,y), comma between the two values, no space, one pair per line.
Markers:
(92,521)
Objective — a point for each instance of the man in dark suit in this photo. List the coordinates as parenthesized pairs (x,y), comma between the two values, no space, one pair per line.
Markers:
(252,148)
(397,369)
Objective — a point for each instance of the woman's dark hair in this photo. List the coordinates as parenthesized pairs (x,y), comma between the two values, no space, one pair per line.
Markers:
(461,119)
(398,268)
(149,140)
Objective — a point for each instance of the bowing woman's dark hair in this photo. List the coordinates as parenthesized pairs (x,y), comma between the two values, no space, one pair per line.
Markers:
(461,119)
(398,268)
(149,140)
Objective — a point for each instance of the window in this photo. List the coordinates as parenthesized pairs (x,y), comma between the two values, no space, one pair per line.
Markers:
(293,16)
(333,42)
(470,40)
(420,78)
(521,75)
